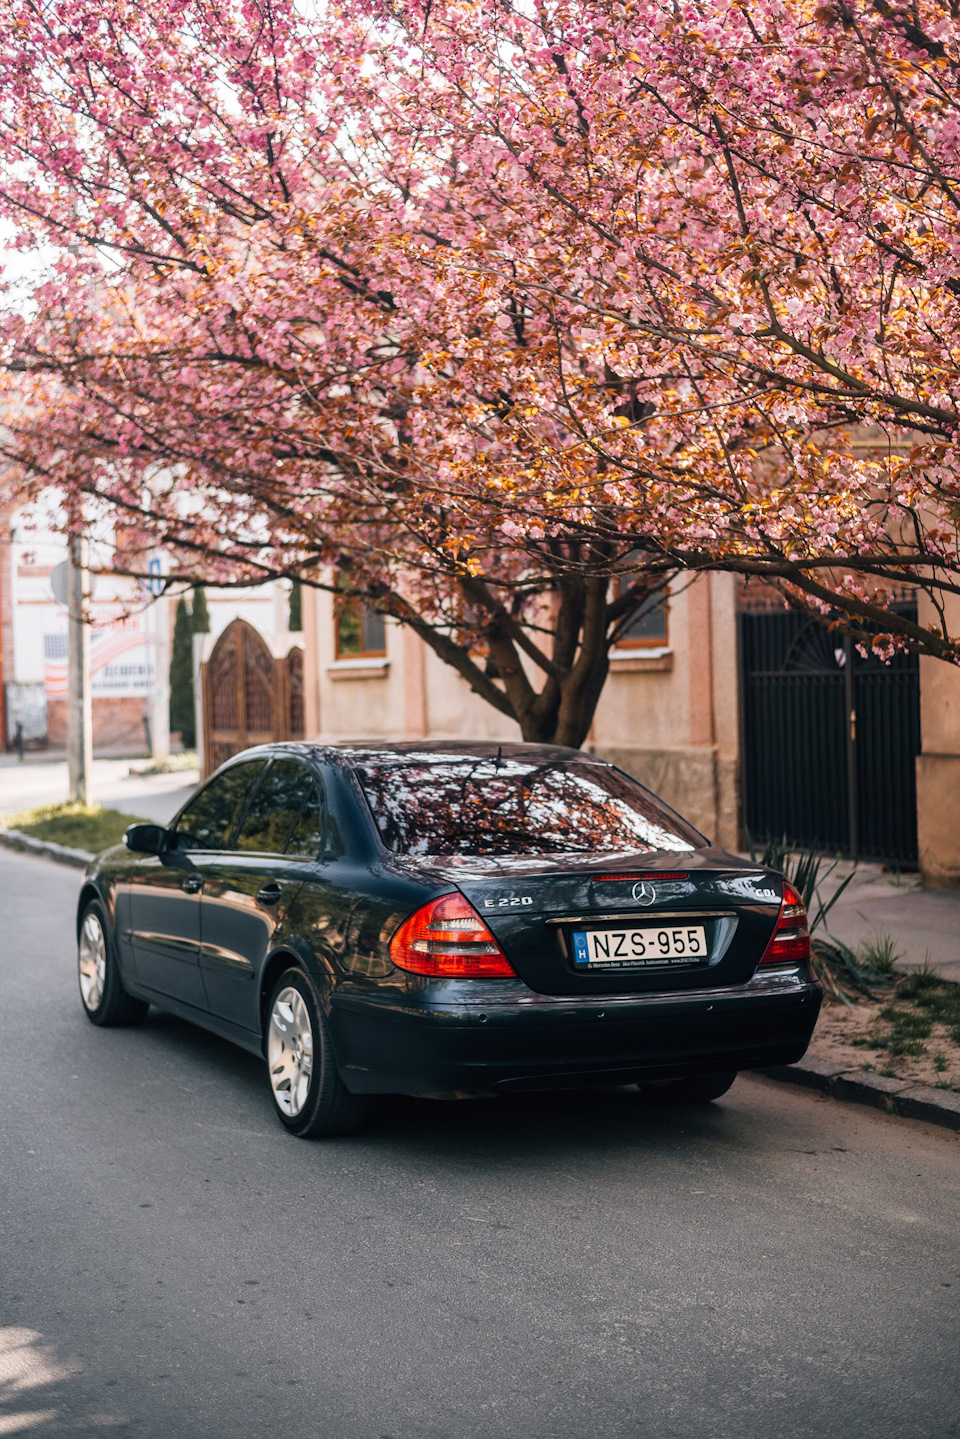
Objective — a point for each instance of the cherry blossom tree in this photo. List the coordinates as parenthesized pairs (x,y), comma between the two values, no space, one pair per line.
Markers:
(507,315)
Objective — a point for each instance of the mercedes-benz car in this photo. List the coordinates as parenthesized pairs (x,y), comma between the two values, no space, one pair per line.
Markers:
(447,919)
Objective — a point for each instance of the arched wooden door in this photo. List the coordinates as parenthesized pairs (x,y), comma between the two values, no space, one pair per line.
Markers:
(242,701)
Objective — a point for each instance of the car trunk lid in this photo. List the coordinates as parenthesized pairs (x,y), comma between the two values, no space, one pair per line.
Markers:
(596,925)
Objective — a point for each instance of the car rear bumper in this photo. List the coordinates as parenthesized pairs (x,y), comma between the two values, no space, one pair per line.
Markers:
(422,1046)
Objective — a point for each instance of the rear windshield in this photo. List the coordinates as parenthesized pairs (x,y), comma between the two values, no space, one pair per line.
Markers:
(490,807)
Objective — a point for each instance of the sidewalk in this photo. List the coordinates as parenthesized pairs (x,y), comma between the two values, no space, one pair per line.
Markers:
(924,923)
(42,779)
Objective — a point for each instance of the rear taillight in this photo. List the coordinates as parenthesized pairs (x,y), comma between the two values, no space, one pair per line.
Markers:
(790,941)
(448,938)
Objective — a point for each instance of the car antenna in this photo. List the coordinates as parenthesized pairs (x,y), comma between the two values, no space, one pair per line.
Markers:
(499,759)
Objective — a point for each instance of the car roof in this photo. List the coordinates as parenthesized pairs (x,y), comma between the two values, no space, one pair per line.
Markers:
(429,751)
(420,751)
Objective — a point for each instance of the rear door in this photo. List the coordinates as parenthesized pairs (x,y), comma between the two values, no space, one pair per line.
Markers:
(165,890)
(248,890)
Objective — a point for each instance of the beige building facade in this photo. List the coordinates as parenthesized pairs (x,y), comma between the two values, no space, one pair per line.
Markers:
(938,764)
(670,714)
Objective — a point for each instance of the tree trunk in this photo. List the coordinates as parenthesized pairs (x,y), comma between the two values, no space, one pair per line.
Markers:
(570,725)
(562,710)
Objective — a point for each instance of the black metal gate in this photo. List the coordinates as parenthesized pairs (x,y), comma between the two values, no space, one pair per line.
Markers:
(830,740)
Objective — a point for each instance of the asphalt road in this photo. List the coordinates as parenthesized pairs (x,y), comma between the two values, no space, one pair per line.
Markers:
(777,1266)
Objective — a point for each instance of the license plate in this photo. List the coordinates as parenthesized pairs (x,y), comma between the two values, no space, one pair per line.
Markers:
(630,948)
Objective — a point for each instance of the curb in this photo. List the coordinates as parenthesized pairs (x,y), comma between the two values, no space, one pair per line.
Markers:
(858,1086)
(62,853)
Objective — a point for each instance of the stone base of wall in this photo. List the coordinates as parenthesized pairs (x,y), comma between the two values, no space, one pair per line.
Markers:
(693,779)
(115,722)
(938,819)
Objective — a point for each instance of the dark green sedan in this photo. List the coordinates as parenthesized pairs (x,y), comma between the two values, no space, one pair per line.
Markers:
(447,919)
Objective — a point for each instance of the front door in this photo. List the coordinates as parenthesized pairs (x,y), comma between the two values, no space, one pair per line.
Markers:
(247,892)
(165,928)
(164,905)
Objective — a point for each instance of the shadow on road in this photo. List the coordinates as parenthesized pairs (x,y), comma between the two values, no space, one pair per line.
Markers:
(38,1388)
(514,1130)
(518,1133)
(189,1044)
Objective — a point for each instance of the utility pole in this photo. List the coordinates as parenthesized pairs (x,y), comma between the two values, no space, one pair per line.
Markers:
(79,707)
(6,540)
(158,620)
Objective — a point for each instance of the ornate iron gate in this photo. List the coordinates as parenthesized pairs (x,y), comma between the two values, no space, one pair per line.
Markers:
(829,740)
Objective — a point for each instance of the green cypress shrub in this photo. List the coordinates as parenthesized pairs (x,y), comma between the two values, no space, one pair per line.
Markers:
(296,606)
(200,615)
(181,677)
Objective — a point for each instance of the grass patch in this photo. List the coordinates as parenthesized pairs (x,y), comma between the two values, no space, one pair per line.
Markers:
(908,1022)
(921,981)
(905,1037)
(902,1044)
(942,1005)
(91,827)
(918,1003)
(879,955)
(912,1029)
(178,763)
(932,1002)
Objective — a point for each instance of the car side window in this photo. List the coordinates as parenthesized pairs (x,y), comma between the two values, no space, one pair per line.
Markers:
(274,809)
(307,837)
(210,818)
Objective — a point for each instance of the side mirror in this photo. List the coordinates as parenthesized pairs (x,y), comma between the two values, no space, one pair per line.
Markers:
(146,838)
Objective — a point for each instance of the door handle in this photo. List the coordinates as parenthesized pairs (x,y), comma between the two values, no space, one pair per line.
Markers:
(270,893)
(193,884)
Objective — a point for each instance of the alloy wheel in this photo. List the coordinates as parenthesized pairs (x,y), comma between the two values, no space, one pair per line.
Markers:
(290,1051)
(92,960)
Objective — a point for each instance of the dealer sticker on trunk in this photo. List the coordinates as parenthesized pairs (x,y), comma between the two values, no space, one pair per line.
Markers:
(628,948)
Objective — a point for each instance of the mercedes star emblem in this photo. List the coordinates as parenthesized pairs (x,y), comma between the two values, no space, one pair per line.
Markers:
(644,892)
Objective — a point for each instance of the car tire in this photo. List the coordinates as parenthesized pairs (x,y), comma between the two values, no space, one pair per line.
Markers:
(104,999)
(310,1098)
(695,1089)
